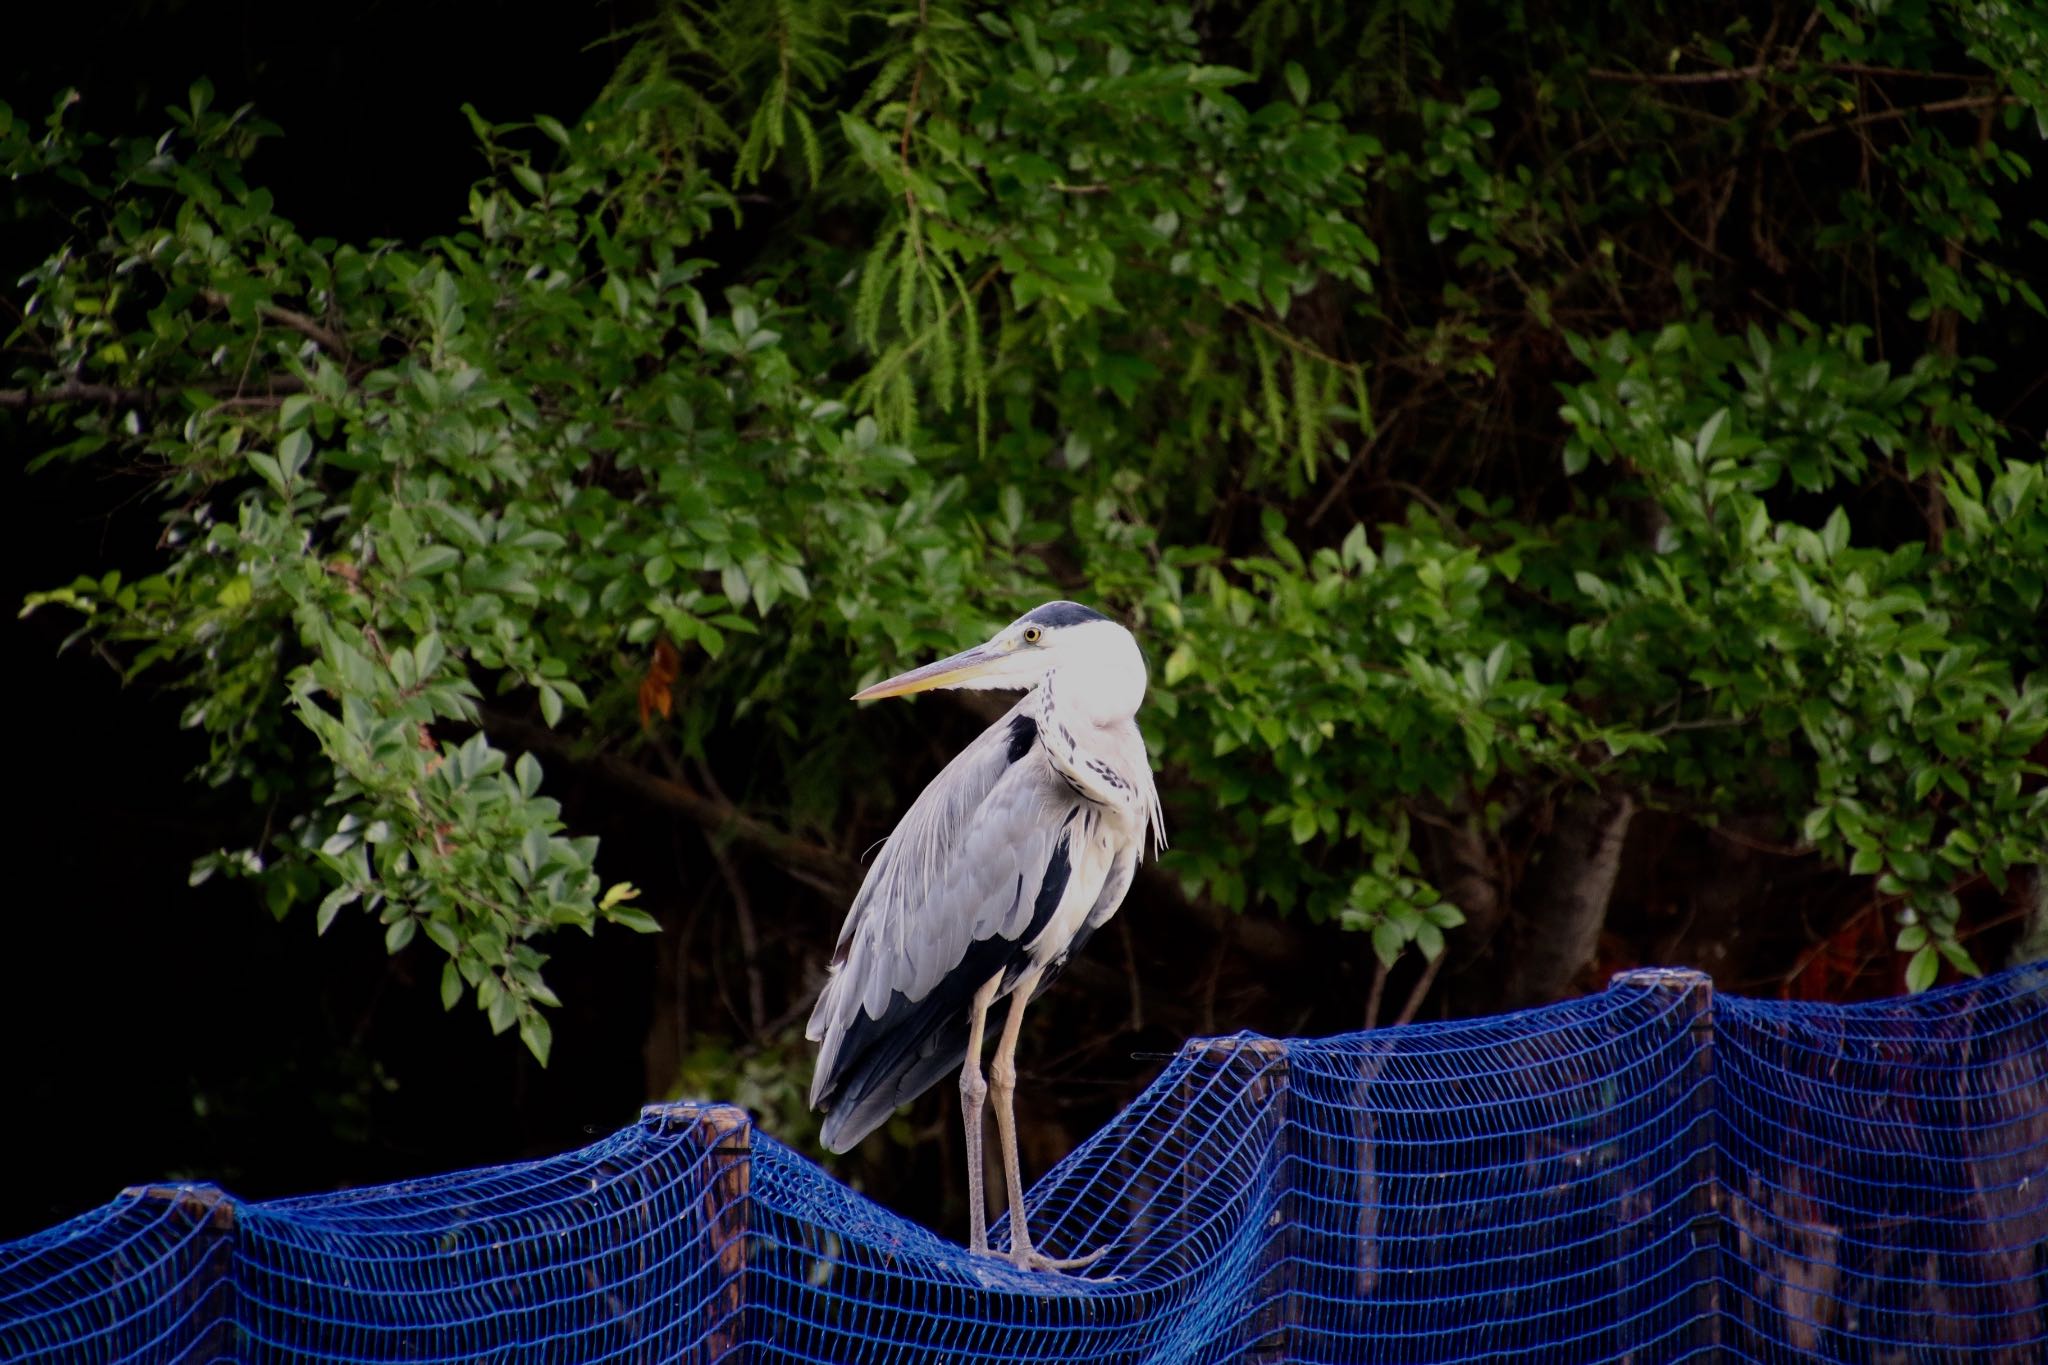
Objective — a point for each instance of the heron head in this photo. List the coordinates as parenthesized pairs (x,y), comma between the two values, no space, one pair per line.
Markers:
(1077,641)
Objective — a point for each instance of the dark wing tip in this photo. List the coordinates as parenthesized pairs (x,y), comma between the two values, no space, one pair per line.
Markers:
(834,1137)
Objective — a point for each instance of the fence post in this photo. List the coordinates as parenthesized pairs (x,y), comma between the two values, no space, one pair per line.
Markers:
(724,1134)
(1265,1098)
(209,1293)
(1693,995)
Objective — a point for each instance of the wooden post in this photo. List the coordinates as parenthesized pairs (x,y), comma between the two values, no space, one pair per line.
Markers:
(208,1255)
(1264,1093)
(724,1133)
(1692,994)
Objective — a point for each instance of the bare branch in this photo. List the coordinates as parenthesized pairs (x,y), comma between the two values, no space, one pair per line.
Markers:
(1421,990)
(1886,115)
(274,388)
(1730,75)
(813,863)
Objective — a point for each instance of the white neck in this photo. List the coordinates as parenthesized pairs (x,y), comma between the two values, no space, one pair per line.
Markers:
(1099,676)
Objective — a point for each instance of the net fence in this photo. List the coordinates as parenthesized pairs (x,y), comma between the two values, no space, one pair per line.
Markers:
(1656,1173)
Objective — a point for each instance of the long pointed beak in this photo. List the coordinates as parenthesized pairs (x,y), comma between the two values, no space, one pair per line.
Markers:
(951,671)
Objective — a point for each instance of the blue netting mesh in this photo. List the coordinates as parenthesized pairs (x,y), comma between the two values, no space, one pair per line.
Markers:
(1652,1174)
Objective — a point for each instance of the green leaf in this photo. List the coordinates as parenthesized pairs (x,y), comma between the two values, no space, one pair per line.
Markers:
(537,1034)
(1430,940)
(1297,82)
(639,921)
(1959,957)
(1921,969)
(434,559)
(331,905)
(1387,942)
(293,452)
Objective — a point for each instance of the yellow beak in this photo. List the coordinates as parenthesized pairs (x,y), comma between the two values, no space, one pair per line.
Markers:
(951,671)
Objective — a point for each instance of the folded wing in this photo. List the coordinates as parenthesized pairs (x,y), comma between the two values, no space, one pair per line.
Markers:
(968,879)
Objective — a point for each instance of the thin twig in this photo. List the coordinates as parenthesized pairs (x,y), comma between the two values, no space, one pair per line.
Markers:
(1721,77)
(1755,69)
(910,117)
(1379,989)
(1886,115)
(1293,342)
(1750,841)
(1365,448)
(750,940)
(1415,996)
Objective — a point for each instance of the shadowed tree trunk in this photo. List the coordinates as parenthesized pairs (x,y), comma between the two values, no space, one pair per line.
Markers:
(2030,894)
(1568,895)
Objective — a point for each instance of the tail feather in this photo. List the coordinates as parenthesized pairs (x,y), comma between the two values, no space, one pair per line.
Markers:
(876,1092)
(868,1066)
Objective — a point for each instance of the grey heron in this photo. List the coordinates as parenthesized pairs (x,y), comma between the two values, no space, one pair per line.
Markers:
(1018,851)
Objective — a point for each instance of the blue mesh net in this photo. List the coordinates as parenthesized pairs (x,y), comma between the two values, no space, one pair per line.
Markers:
(1652,1174)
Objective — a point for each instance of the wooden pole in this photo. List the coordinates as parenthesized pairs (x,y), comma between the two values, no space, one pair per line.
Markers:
(206,1259)
(1692,994)
(1262,1083)
(723,1133)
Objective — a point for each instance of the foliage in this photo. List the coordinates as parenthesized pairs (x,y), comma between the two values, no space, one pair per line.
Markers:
(824,340)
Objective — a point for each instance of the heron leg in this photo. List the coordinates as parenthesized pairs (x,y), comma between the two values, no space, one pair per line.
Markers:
(1003,1079)
(973,1096)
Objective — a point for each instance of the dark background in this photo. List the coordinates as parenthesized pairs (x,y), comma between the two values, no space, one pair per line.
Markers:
(162,1031)
(159,1031)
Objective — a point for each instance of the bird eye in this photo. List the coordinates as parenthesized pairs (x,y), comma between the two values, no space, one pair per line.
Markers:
(1032,635)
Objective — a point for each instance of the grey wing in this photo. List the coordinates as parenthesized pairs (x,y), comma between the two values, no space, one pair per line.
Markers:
(964,884)
(884,919)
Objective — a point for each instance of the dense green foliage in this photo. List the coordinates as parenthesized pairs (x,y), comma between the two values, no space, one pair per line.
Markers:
(1467,408)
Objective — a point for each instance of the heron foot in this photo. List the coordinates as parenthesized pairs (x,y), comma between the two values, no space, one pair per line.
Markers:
(1031,1258)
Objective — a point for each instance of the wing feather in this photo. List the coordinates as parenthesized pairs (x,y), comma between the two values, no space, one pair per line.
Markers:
(965,866)
(959,893)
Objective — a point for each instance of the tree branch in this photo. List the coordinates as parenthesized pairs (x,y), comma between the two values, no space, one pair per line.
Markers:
(284,317)
(1886,115)
(810,862)
(115,396)
(1421,990)
(1732,74)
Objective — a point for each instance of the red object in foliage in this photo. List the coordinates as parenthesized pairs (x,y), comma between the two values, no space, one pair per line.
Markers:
(657,688)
